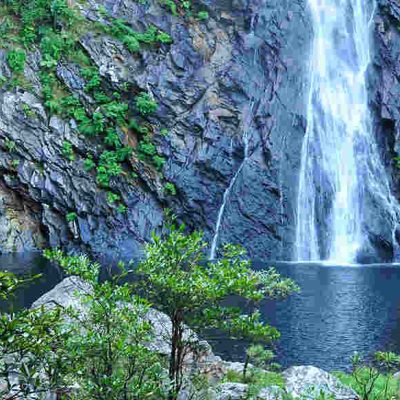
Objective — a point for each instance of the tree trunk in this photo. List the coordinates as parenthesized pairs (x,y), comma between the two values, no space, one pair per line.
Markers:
(176,361)
(245,366)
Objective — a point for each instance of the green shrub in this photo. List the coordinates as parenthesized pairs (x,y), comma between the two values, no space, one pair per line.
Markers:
(112,139)
(72,216)
(101,97)
(16,60)
(92,76)
(112,197)
(89,164)
(131,43)
(115,110)
(169,189)
(123,153)
(146,149)
(158,162)
(164,37)
(67,151)
(9,145)
(171,5)
(121,208)
(91,126)
(145,104)
(107,168)
(202,15)
(15,163)
(28,110)
(373,380)
(164,132)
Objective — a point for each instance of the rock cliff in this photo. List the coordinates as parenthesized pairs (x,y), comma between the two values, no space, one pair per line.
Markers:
(231,92)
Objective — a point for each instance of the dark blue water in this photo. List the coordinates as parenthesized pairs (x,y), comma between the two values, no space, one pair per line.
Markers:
(339,310)
(28,264)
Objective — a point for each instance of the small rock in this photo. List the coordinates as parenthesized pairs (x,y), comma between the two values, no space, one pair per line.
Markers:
(303,379)
(234,366)
(232,391)
(271,393)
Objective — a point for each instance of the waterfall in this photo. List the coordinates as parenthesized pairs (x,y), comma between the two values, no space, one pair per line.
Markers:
(340,162)
(228,190)
(247,121)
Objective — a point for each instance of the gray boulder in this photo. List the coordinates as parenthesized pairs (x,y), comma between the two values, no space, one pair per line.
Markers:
(240,391)
(65,294)
(307,381)
(232,391)
(271,393)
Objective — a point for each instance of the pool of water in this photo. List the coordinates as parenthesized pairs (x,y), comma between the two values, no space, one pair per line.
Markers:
(340,310)
(29,264)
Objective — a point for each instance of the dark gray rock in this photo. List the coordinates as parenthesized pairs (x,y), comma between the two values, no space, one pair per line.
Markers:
(384,77)
(241,73)
(54,186)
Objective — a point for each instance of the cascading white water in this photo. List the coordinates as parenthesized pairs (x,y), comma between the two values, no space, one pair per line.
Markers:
(340,159)
(228,190)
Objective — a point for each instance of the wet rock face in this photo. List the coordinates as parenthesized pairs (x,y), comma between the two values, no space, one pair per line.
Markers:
(254,92)
(240,74)
(35,171)
(385,103)
(19,228)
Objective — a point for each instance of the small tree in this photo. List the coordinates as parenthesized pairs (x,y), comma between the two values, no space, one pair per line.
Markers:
(387,363)
(260,357)
(373,380)
(32,357)
(107,341)
(177,277)
(8,284)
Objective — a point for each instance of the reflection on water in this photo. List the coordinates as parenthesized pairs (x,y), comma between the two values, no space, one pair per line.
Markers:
(339,310)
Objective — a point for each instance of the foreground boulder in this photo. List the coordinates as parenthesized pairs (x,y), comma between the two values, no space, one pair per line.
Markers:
(67,294)
(304,380)
(232,391)
(240,391)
